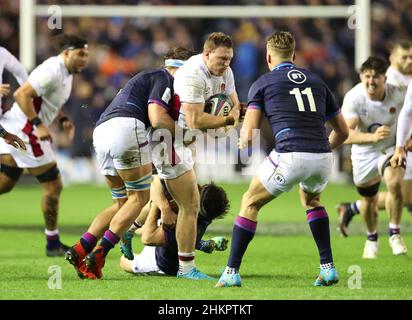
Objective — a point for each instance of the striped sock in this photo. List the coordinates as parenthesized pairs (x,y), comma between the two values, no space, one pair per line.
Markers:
(243,232)
(109,240)
(88,241)
(186,261)
(52,238)
(319,226)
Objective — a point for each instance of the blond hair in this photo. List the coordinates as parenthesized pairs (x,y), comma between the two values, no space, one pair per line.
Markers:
(281,43)
(217,39)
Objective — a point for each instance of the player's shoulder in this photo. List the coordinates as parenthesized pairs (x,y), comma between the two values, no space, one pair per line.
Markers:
(194,66)
(396,91)
(52,65)
(4,51)
(356,93)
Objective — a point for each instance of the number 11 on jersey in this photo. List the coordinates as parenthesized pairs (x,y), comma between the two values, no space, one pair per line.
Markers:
(298,95)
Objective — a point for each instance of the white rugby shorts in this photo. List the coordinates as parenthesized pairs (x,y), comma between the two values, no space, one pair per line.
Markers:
(38,152)
(366,166)
(280,172)
(171,159)
(145,262)
(121,143)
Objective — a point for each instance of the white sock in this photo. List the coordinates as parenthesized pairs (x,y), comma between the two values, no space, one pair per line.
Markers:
(186,266)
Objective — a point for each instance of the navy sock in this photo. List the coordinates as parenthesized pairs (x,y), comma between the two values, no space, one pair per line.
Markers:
(319,225)
(243,232)
(373,236)
(53,242)
(88,241)
(108,242)
(52,238)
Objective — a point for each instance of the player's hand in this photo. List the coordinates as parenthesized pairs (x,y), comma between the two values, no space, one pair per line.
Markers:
(168,217)
(399,157)
(408,145)
(14,140)
(381,133)
(4,89)
(235,113)
(243,109)
(69,128)
(43,133)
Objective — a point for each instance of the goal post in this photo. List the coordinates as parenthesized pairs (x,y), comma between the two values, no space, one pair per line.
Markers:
(358,16)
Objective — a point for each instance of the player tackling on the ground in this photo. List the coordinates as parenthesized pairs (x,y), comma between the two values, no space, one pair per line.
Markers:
(297,104)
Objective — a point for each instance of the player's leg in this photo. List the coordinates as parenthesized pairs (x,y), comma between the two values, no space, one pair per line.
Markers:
(262,189)
(126,239)
(9,173)
(137,182)
(317,174)
(318,221)
(88,240)
(185,192)
(49,177)
(407,195)
(394,206)
(369,214)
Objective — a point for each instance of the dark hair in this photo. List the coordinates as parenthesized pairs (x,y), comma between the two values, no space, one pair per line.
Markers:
(180,53)
(402,44)
(70,41)
(376,64)
(217,39)
(214,203)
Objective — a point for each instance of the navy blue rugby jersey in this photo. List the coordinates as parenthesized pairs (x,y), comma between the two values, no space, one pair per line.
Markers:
(149,86)
(166,257)
(297,104)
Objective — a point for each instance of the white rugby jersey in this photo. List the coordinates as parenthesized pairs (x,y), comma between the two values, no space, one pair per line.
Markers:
(195,84)
(397,78)
(373,114)
(53,83)
(12,65)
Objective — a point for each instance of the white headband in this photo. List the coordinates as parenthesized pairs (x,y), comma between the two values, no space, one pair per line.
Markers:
(174,63)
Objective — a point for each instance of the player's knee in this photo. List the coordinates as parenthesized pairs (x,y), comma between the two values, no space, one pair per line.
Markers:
(394,186)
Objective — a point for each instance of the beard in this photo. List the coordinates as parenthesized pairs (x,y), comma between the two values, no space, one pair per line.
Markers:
(405,70)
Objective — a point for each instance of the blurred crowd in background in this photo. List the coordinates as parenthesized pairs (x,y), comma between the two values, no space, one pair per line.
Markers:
(121,47)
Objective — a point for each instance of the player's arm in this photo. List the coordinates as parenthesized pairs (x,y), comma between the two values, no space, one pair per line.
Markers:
(159,199)
(248,130)
(357,137)
(160,119)
(152,234)
(235,112)
(15,68)
(24,97)
(340,131)
(403,131)
(196,118)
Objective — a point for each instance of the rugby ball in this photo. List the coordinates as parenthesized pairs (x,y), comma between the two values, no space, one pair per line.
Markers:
(218,105)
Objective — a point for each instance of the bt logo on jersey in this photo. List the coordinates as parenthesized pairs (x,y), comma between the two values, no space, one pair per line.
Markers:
(296,76)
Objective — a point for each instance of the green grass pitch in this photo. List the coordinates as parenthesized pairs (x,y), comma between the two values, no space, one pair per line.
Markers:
(281,262)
